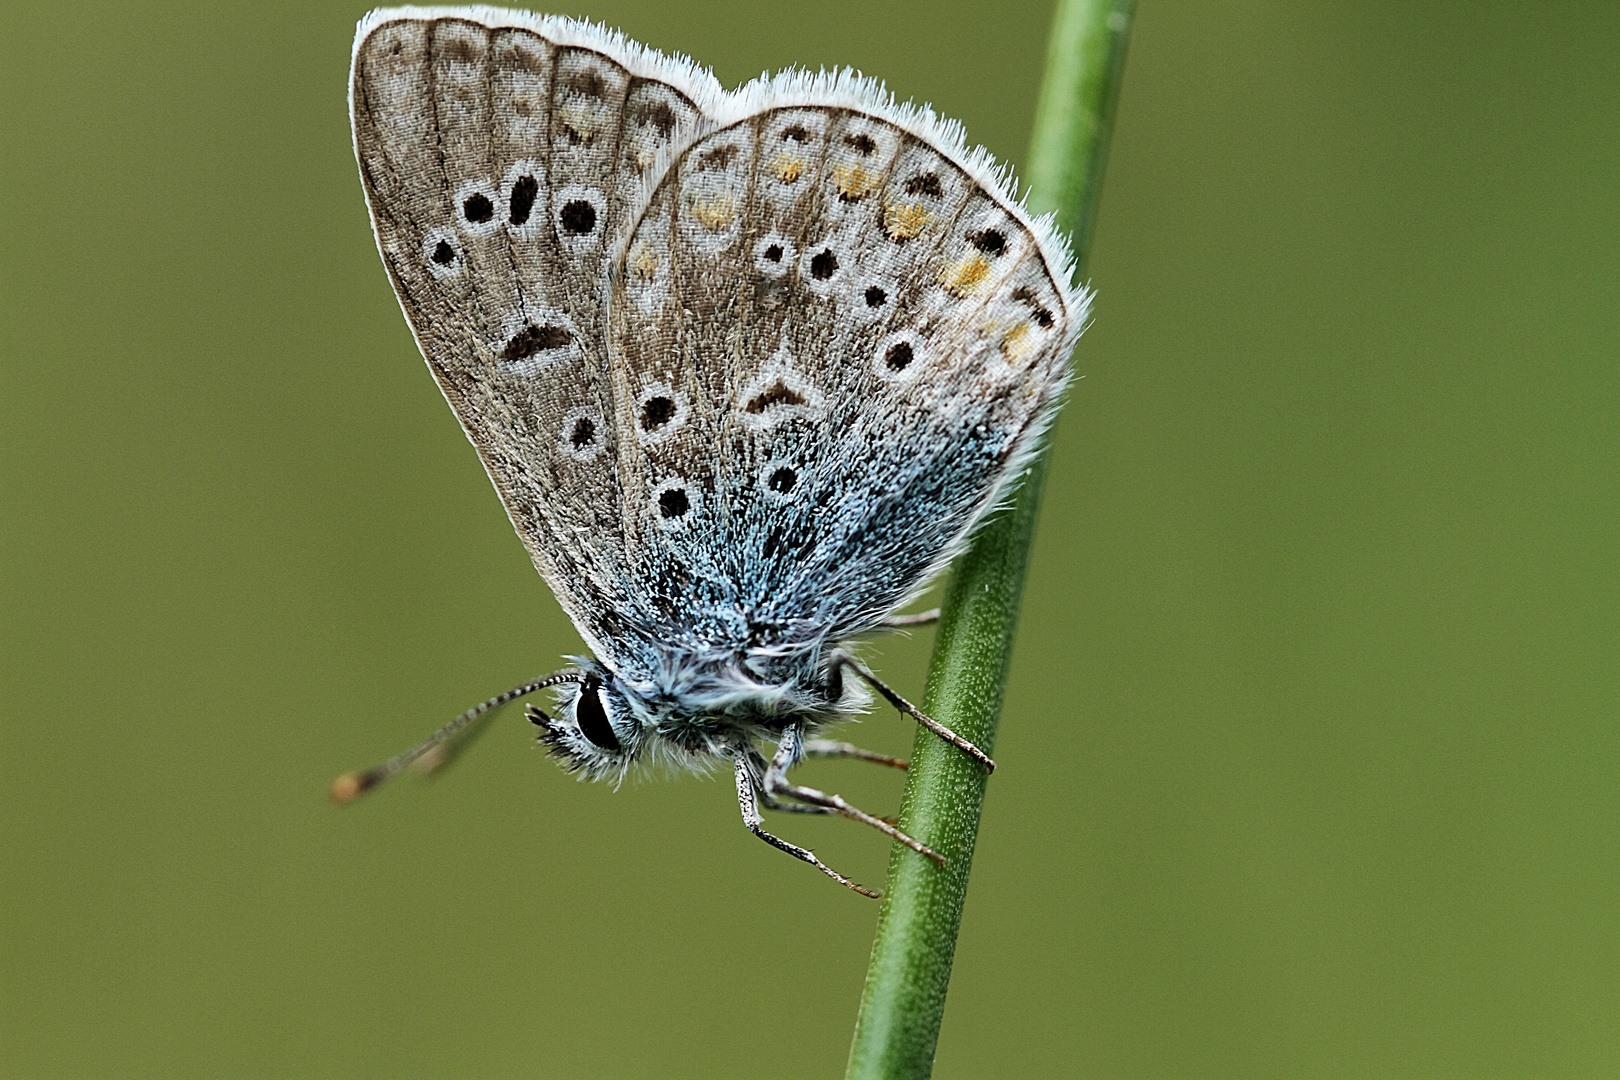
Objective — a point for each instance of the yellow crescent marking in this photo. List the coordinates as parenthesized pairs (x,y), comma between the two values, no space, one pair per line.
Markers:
(644,262)
(716,214)
(787,167)
(1016,342)
(854,183)
(965,275)
(903,221)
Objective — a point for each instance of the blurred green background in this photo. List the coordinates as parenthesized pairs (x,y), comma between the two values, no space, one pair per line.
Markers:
(1309,763)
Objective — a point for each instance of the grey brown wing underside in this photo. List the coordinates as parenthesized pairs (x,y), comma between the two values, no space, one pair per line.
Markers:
(838,345)
(499,164)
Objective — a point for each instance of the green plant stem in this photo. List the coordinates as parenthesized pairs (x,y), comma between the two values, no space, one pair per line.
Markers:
(904,999)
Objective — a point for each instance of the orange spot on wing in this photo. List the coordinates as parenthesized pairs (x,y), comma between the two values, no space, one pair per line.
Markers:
(854,183)
(965,275)
(904,221)
(715,214)
(787,167)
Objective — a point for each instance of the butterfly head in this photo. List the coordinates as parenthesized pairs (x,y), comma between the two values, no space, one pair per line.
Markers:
(596,730)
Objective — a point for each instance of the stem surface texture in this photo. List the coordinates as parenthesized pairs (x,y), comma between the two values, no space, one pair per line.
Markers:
(904,998)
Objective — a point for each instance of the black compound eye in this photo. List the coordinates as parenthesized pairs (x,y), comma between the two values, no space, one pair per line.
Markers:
(592,717)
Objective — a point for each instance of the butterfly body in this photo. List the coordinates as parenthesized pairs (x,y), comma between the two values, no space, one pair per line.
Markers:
(746,369)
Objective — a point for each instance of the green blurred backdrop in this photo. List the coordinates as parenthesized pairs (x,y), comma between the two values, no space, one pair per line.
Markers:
(1310,762)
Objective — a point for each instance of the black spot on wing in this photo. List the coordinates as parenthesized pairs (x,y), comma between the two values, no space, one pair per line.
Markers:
(777,394)
(535,339)
(578,217)
(925,184)
(522,202)
(657,412)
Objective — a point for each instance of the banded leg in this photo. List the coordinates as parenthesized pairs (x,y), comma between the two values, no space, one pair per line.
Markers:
(747,800)
(830,748)
(821,748)
(759,767)
(842,659)
(778,785)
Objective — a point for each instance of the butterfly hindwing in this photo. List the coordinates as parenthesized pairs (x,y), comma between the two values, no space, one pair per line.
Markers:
(860,337)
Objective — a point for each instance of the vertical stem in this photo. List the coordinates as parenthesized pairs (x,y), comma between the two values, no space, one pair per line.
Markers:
(904,999)
(1075,114)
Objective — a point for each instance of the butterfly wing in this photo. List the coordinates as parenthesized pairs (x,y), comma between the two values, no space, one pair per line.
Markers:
(500,155)
(838,338)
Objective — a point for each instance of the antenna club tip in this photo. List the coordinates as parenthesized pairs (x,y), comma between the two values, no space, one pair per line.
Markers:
(347,788)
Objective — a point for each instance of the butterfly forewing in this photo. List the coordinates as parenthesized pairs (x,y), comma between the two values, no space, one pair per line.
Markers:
(497,160)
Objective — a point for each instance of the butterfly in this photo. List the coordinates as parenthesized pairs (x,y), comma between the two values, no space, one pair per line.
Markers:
(746,369)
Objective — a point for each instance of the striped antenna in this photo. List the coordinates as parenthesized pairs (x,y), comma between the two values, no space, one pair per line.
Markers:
(350,786)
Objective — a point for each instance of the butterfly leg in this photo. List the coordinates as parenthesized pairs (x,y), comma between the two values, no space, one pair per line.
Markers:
(902,622)
(759,768)
(825,748)
(841,659)
(747,791)
(829,748)
(788,751)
